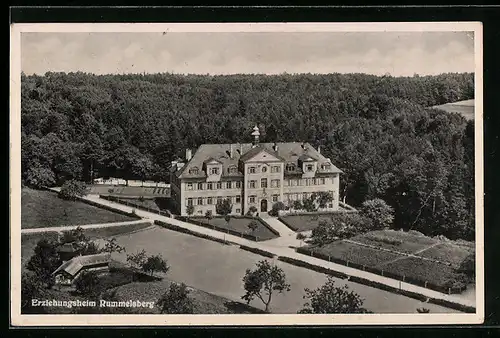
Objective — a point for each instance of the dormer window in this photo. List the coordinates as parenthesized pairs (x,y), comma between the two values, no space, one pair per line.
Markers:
(326,167)
(309,167)
(214,171)
(194,171)
(232,170)
(290,167)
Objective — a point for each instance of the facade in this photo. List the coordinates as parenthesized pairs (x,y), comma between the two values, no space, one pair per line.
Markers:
(69,271)
(251,175)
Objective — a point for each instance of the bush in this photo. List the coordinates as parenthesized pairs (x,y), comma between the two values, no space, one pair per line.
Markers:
(252,211)
(72,189)
(297,205)
(276,209)
(381,214)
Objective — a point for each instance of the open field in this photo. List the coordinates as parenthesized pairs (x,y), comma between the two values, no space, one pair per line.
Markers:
(101,189)
(40,209)
(447,252)
(240,225)
(219,269)
(465,108)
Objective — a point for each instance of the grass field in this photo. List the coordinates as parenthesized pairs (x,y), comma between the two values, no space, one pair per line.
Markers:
(408,242)
(300,223)
(40,209)
(219,269)
(465,108)
(448,252)
(239,224)
(355,253)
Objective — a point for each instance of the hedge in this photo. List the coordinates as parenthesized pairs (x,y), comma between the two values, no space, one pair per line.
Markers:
(440,288)
(189,232)
(313,267)
(134,205)
(452,305)
(258,251)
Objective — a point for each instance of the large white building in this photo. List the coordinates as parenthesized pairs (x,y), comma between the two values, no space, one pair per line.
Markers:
(251,174)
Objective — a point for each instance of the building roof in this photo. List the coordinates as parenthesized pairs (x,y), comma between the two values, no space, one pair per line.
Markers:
(288,152)
(68,247)
(74,265)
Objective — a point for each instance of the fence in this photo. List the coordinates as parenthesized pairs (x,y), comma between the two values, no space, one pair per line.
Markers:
(135,205)
(381,272)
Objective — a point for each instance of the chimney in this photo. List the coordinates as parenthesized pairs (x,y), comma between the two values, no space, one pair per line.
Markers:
(319,149)
(231,150)
(188,155)
(275,146)
(241,148)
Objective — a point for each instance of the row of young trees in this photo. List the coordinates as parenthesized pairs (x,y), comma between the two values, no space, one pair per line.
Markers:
(377,130)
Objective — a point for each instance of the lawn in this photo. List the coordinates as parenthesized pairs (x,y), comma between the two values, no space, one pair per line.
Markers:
(408,242)
(432,272)
(355,253)
(40,209)
(448,252)
(300,223)
(29,241)
(240,225)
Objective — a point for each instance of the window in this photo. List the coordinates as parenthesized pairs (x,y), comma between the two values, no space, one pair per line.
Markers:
(252,184)
(275,169)
(300,182)
(214,171)
(233,170)
(238,184)
(190,186)
(238,199)
(219,185)
(275,183)
(290,167)
(209,201)
(275,198)
(322,180)
(238,210)
(251,199)
(326,167)
(251,170)
(210,186)
(304,196)
(264,169)
(330,205)
(308,181)
(229,185)
(200,186)
(200,201)
(219,200)
(190,201)
(263,183)
(309,167)
(194,171)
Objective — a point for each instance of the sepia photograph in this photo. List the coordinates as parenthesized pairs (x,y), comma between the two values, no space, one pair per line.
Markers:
(246,174)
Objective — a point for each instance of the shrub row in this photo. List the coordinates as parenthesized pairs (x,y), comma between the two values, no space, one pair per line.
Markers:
(406,279)
(134,205)
(189,232)
(258,251)
(313,267)
(221,229)
(452,305)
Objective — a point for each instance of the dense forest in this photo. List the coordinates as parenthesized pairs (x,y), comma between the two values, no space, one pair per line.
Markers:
(377,129)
